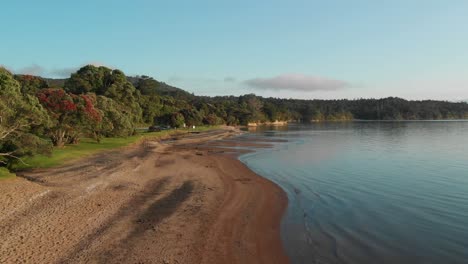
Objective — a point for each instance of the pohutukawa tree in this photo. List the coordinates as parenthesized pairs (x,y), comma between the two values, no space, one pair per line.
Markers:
(70,114)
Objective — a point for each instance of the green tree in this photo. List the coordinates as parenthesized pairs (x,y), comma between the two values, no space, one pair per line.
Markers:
(152,107)
(177,120)
(31,84)
(252,108)
(116,119)
(19,115)
(107,82)
(271,111)
(192,117)
(212,119)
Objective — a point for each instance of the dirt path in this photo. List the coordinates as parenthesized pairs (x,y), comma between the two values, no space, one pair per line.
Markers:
(152,203)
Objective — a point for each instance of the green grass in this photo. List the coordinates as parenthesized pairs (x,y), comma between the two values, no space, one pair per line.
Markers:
(88,147)
(5,174)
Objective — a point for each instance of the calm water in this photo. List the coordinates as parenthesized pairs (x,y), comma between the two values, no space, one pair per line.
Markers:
(371,192)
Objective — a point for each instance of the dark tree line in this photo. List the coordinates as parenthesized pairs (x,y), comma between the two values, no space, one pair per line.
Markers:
(36,113)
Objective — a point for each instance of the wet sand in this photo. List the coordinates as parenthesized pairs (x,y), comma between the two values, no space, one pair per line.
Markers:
(185,201)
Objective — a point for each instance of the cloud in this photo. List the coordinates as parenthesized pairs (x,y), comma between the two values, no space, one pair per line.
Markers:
(32,70)
(63,72)
(67,71)
(297,82)
(229,79)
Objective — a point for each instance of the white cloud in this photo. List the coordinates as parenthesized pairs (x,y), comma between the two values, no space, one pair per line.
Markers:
(297,82)
(64,72)
(32,70)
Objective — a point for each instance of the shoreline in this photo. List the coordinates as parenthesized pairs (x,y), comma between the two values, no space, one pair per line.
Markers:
(178,202)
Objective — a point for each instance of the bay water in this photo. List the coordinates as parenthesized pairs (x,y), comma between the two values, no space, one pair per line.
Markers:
(370,192)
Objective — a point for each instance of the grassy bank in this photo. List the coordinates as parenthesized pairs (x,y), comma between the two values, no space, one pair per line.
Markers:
(88,147)
(5,174)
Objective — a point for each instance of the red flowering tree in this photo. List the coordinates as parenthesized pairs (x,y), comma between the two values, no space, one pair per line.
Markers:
(69,112)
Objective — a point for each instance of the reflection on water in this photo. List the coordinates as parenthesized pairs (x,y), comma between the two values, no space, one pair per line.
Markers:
(371,192)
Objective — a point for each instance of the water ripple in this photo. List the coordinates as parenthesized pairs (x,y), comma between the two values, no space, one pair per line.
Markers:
(372,192)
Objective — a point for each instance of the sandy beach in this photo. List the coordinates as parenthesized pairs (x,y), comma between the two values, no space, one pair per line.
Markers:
(185,201)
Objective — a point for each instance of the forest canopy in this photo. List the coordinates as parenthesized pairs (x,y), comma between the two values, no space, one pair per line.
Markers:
(37,113)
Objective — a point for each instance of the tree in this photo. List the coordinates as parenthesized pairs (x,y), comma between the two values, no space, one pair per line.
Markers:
(31,84)
(177,120)
(88,79)
(19,114)
(252,106)
(171,119)
(151,107)
(192,117)
(116,120)
(212,119)
(107,82)
(271,111)
(149,86)
(146,85)
(69,112)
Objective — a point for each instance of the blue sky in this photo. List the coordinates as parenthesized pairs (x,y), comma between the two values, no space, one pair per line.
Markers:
(301,49)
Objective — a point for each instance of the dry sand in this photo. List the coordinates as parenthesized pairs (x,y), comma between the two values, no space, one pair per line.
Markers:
(179,202)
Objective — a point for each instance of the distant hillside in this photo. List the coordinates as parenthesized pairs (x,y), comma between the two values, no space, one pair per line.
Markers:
(57,83)
(151,101)
(148,86)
